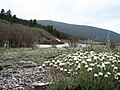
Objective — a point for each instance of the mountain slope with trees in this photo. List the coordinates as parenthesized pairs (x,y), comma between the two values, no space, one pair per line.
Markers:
(32,23)
(16,32)
(88,32)
(17,35)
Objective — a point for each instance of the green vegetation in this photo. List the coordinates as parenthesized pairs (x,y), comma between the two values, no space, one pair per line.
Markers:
(83,81)
(83,32)
(17,35)
(86,70)
(31,23)
(1,66)
(91,68)
(27,56)
(79,70)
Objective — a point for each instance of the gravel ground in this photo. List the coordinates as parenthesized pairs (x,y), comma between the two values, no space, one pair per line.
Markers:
(23,78)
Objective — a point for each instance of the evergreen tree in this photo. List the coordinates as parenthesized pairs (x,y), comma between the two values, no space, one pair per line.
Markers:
(14,19)
(30,22)
(9,16)
(34,23)
(8,13)
(2,13)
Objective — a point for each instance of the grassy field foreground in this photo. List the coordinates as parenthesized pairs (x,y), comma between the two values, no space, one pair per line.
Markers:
(78,69)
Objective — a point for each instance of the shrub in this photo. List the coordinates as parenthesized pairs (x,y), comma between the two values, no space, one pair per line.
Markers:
(113,45)
(1,66)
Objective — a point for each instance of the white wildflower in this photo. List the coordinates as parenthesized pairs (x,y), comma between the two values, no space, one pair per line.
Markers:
(100,73)
(77,62)
(115,68)
(114,61)
(89,69)
(53,61)
(75,59)
(86,66)
(118,73)
(79,59)
(65,70)
(92,64)
(43,65)
(78,66)
(116,77)
(55,65)
(89,60)
(61,64)
(103,65)
(95,75)
(110,59)
(51,64)
(68,63)
(61,69)
(40,67)
(92,52)
(106,63)
(69,72)
(98,65)
(58,61)
(118,61)
(95,57)
(113,65)
(85,57)
(84,62)
(106,75)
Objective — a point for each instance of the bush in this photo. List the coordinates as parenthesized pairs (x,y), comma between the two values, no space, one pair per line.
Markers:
(1,66)
(113,45)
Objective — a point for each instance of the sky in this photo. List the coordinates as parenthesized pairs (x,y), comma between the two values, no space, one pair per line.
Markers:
(98,13)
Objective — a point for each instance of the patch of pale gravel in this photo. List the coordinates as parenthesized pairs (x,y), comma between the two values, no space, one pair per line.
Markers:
(23,78)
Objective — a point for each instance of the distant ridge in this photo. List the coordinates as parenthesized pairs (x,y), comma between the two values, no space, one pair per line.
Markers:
(85,31)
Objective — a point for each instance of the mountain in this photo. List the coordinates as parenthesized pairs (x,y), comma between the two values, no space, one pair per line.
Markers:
(18,35)
(84,31)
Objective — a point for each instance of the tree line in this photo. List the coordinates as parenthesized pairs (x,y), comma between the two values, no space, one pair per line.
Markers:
(32,23)
(16,36)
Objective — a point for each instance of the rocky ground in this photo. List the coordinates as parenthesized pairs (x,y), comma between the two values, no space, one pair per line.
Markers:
(21,67)
(23,78)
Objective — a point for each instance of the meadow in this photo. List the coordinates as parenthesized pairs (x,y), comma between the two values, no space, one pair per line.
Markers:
(74,68)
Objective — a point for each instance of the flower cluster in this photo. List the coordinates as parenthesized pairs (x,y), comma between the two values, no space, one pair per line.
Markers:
(101,64)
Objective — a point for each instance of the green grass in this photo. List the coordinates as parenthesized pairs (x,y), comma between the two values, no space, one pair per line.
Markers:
(13,56)
(84,79)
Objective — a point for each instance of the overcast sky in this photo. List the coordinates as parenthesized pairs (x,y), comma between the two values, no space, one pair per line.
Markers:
(99,13)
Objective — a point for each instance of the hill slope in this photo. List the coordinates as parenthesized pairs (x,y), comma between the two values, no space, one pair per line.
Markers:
(83,31)
(17,35)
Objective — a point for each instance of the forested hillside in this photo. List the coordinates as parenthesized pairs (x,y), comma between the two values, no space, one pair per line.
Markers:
(31,23)
(16,32)
(83,31)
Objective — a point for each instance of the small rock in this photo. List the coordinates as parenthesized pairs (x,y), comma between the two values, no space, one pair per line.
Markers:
(40,86)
